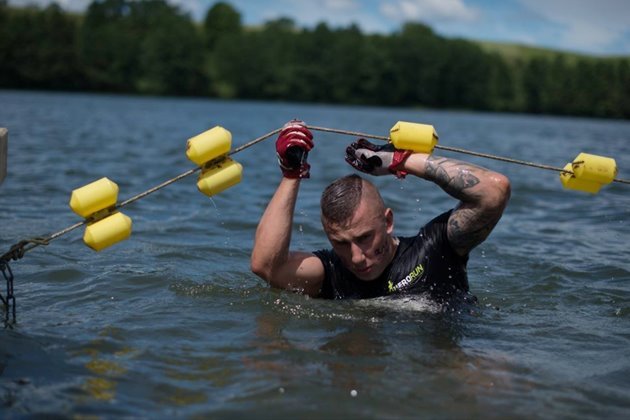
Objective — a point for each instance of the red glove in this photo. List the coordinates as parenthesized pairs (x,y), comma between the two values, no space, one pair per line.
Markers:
(292,147)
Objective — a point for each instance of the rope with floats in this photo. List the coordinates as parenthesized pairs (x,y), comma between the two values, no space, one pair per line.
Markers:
(210,151)
(458,150)
(18,250)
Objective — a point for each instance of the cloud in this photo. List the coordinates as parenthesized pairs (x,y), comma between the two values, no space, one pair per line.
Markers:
(600,27)
(585,24)
(340,5)
(427,10)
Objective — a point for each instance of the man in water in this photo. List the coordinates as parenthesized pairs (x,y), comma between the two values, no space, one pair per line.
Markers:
(367,260)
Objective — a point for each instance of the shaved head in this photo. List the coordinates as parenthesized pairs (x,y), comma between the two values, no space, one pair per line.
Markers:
(342,197)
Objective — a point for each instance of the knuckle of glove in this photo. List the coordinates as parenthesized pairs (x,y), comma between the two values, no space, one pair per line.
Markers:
(296,126)
(356,163)
(301,140)
(364,144)
(358,160)
(294,138)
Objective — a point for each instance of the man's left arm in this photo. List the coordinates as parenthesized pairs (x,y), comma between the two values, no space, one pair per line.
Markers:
(483,196)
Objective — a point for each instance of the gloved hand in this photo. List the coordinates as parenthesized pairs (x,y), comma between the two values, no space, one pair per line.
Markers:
(292,147)
(376,160)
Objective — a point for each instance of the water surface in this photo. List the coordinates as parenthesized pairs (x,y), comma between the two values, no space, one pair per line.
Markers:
(172,322)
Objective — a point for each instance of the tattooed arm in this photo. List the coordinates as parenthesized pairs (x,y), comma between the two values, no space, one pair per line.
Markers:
(483,195)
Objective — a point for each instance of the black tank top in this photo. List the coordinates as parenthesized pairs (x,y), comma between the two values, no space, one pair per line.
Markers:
(424,264)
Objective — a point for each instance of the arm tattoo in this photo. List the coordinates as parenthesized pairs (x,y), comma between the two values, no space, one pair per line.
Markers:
(472,221)
(467,229)
(452,176)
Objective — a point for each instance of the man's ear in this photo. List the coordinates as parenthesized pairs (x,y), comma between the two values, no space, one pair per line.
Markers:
(389,220)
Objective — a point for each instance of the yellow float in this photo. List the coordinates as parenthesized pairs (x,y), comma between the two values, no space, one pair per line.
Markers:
(588,173)
(208,145)
(413,136)
(108,231)
(220,177)
(94,197)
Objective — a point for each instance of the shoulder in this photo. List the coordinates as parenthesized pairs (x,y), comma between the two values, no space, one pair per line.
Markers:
(328,258)
(303,272)
(437,228)
(433,236)
(439,221)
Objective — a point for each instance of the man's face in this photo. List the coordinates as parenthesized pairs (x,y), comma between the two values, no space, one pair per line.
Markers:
(364,245)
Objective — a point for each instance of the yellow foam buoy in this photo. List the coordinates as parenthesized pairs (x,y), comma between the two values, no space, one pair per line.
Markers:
(208,145)
(220,177)
(94,197)
(571,182)
(594,168)
(413,136)
(108,231)
(589,173)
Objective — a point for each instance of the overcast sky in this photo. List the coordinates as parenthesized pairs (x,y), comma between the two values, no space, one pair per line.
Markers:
(600,27)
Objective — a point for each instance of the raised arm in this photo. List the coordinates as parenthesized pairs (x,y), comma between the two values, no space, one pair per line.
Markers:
(483,194)
(271,258)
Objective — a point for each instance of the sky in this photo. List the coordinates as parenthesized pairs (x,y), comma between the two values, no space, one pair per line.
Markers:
(595,27)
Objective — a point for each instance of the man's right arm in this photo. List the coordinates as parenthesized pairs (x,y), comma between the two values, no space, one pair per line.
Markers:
(271,258)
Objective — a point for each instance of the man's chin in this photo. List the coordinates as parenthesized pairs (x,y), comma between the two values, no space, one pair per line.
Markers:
(366,276)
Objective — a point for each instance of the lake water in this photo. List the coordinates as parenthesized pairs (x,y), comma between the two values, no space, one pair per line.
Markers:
(172,323)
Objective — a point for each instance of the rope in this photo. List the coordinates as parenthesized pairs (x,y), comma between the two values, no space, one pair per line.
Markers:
(18,250)
(458,150)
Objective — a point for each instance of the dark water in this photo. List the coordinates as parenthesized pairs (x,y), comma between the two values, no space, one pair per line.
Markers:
(171,321)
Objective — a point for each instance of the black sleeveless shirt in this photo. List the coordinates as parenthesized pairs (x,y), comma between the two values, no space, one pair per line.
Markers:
(424,264)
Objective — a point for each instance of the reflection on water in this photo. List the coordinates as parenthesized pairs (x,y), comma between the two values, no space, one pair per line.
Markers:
(409,351)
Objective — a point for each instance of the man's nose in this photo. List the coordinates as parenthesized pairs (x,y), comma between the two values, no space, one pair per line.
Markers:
(357,254)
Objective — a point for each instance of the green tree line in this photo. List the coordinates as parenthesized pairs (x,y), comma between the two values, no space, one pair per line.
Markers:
(152,47)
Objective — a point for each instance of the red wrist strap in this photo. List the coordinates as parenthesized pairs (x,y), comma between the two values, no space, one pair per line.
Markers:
(400,156)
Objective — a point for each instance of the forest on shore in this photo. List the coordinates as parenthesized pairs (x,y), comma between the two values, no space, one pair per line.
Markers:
(153,47)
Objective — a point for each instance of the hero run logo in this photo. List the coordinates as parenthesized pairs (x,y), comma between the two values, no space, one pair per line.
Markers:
(410,279)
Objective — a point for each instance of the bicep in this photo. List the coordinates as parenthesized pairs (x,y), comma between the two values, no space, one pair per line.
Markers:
(472,220)
(302,272)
